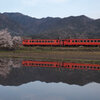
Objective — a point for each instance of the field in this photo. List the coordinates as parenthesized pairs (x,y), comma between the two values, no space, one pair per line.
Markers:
(73,54)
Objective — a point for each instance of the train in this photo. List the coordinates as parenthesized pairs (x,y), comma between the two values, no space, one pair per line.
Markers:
(66,65)
(61,42)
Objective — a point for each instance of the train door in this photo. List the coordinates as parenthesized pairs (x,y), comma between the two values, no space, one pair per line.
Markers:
(59,65)
(67,42)
(61,42)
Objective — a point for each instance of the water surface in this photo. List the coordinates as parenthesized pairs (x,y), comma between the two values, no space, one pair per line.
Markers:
(18,82)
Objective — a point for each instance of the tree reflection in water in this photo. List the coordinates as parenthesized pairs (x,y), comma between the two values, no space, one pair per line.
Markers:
(13,73)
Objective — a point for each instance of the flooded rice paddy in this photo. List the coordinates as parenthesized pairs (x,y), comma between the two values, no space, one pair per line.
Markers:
(48,80)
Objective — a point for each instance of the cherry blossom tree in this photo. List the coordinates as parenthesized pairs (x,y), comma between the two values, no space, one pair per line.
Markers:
(17,41)
(5,39)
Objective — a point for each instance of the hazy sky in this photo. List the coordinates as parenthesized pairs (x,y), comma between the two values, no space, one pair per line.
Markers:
(52,8)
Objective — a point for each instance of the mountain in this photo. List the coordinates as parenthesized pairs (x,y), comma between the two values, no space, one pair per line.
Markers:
(13,73)
(68,27)
(12,26)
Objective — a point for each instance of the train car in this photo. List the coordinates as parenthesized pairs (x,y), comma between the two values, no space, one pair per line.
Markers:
(61,65)
(82,42)
(61,42)
(81,66)
(43,42)
(41,64)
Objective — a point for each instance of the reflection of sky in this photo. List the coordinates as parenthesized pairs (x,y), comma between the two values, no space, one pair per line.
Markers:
(50,91)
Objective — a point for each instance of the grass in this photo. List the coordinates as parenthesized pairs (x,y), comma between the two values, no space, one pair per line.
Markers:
(71,54)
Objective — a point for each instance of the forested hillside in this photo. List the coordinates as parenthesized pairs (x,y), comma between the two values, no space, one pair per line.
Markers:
(68,27)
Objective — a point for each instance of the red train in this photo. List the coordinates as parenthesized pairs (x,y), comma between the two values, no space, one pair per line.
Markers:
(61,42)
(61,65)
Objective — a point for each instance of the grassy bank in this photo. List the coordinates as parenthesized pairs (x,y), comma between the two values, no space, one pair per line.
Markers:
(77,54)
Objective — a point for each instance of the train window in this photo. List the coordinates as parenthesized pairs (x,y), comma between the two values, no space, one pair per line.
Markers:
(94,67)
(57,41)
(72,40)
(95,41)
(91,40)
(30,41)
(91,67)
(88,41)
(68,40)
(80,66)
(98,40)
(75,66)
(42,41)
(84,40)
(81,40)
(39,41)
(56,65)
(84,66)
(87,66)
(75,40)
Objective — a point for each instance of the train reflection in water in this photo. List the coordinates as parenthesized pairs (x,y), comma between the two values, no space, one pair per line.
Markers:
(61,65)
